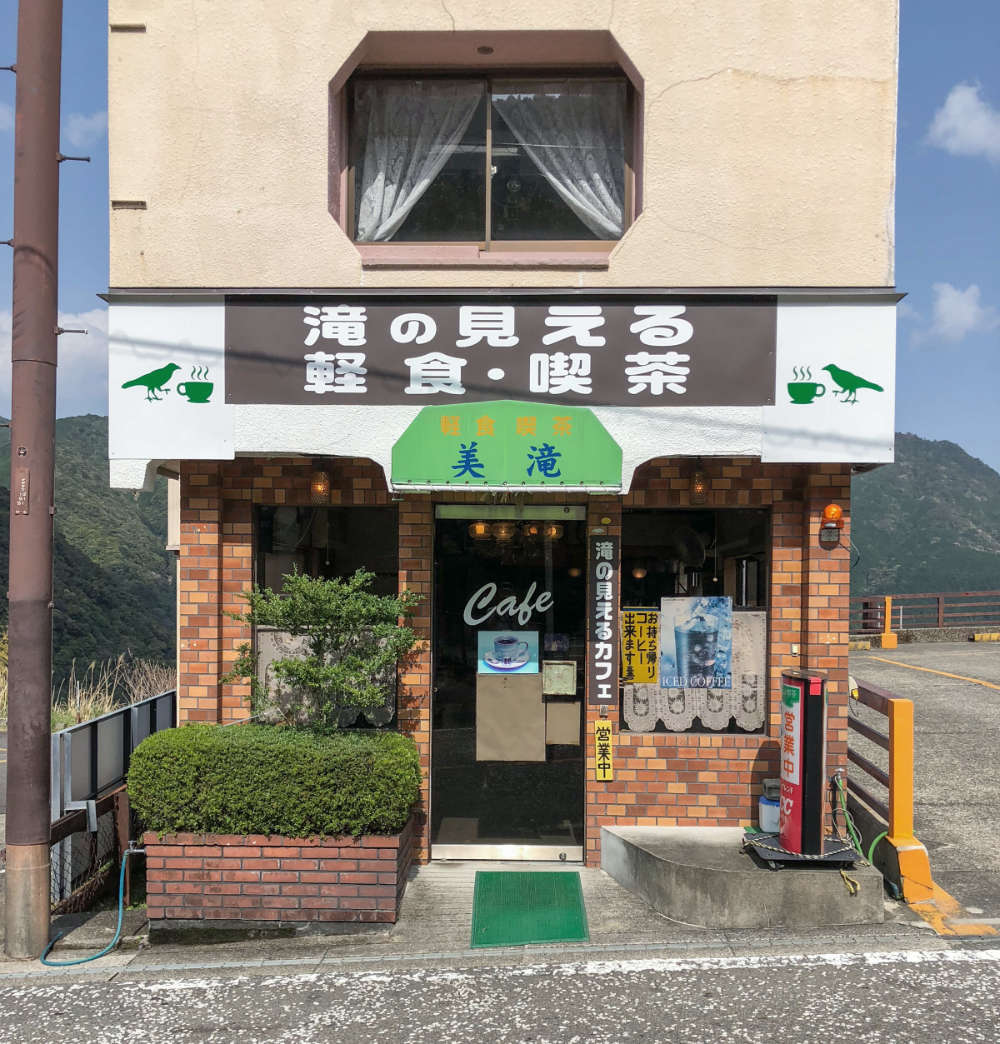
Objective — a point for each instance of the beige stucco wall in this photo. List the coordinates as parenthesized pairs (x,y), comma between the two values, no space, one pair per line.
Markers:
(769,140)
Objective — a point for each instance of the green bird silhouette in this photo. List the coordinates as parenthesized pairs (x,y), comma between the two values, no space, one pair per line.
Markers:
(850,383)
(154,381)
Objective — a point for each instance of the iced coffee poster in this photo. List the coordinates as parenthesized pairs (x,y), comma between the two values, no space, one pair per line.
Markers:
(696,643)
(508,652)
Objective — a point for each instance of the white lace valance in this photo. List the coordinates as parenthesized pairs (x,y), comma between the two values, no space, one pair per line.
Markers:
(744,705)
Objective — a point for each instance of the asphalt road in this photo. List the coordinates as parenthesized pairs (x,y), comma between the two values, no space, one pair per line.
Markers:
(918,996)
(957,771)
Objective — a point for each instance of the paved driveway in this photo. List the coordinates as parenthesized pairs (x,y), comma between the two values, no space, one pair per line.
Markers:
(955,688)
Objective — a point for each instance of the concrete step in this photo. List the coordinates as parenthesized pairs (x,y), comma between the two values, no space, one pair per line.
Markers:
(701,876)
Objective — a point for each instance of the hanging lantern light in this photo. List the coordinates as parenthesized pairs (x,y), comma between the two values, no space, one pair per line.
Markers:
(533,530)
(699,483)
(479,530)
(319,486)
(553,531)
(639,572)
(504,531)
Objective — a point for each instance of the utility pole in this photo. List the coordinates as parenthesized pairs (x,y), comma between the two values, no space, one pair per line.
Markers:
(32,451)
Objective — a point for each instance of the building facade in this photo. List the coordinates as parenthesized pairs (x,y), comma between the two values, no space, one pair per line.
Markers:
(574,327)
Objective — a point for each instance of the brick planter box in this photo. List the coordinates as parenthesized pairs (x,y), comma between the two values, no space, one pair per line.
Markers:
(266,882)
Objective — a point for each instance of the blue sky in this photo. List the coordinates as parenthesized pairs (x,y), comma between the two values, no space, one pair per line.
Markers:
(947,216)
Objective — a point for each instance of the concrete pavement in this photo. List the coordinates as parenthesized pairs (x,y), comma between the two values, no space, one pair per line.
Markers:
(920,996)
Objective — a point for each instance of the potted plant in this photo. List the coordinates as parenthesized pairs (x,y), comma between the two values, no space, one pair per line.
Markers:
(325,650)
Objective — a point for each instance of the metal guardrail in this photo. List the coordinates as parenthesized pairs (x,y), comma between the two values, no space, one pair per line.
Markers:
(90,814)
(897,812)
(92,758)
(871,614)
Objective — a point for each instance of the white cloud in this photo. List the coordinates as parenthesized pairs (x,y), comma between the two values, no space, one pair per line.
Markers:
(966,125)
(6,117)
(956,314)
(82,374)
(81,130)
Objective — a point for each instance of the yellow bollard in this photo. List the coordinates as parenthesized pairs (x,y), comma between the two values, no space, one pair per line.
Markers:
(888,635)
(944,913)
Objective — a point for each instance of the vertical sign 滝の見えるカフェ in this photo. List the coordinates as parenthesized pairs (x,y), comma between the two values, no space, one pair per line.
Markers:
(602,626)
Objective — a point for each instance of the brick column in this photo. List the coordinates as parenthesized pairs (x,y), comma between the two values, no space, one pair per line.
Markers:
(236,557)
(199,592)
(416,564)
(786,636)
(826,584)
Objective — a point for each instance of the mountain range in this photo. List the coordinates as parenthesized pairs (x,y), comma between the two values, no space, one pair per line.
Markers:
(114,582)
(929,522)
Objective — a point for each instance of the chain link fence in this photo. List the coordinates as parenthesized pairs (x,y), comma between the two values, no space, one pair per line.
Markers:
(83,865)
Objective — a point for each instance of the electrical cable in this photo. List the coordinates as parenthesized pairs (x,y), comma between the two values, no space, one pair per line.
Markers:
(118,931)
(848,818)
(871,848)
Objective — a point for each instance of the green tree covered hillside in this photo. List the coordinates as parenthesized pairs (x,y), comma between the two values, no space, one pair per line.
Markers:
(929,522)
(114,583)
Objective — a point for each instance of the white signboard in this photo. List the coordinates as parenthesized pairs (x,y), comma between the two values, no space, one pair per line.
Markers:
(832,396)
(835,384)
(167,383)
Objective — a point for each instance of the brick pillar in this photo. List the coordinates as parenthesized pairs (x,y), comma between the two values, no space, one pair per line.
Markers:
(601,805)
(786,620)
(416,564)
(199,592)
(826,582)
(236,557)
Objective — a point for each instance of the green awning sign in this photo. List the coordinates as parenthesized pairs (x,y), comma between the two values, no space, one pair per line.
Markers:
(519,445)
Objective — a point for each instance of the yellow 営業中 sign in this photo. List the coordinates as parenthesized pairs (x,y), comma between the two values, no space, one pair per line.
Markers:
(604,766)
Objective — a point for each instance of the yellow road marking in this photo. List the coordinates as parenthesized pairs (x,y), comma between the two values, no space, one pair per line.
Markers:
(945,915)
(930,670)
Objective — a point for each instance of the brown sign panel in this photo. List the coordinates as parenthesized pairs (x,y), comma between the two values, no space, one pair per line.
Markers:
(581,350)
(602,620)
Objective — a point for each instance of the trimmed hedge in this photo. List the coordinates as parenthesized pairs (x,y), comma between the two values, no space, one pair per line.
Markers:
(259,779)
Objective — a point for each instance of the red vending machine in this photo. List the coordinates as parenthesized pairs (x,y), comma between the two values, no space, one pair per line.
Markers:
(803,762)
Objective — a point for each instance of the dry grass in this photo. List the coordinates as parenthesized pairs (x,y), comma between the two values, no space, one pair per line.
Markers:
(100,687)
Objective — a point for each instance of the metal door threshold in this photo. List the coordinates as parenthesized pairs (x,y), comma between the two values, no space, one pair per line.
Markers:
(539,853)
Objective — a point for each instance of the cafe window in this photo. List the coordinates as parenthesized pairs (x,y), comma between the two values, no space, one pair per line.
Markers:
(327,542)
(489,161)
(694,601)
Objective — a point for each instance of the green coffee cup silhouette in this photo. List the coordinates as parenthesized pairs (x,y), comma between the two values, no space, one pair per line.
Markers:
(803,392)
(196,391)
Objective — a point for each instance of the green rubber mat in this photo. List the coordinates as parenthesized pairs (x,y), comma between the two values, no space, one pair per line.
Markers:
(514,908)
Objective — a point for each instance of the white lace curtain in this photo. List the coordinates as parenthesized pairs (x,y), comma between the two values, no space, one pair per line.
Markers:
(574,132)
(410,130)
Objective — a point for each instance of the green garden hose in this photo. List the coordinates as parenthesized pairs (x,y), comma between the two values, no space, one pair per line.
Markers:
(118,931)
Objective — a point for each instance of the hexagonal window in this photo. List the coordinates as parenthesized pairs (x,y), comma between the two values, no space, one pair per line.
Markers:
(482,161)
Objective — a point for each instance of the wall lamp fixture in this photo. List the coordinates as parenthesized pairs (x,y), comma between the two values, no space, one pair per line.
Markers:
(830,526)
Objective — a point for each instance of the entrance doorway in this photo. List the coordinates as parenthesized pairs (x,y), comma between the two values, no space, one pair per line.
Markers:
(509,679)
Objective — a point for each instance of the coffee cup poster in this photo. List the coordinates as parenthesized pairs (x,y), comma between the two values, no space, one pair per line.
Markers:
(696,643)
(508,652)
